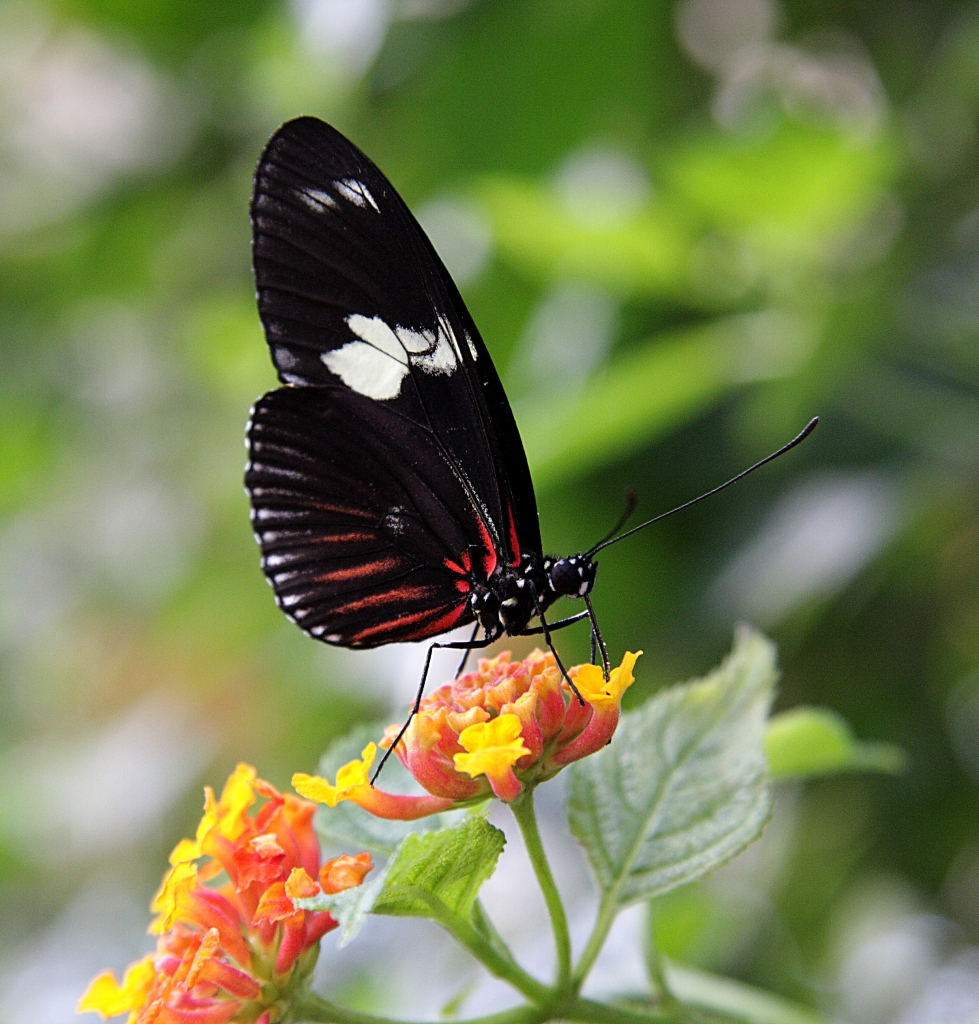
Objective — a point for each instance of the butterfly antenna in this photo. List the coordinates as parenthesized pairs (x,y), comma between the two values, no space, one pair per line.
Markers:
(810,427)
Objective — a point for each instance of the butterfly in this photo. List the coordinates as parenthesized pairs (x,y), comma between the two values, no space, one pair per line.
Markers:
(390,491)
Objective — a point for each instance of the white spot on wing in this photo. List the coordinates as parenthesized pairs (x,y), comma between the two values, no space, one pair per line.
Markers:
(375,365)
(356,192)
(416,342)
(284,359)
(315,199)
(472,346)
(429,352)
(376,332)
(366,370)
(441,360)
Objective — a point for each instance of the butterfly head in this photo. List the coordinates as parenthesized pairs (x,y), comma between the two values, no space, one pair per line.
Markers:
(571,577)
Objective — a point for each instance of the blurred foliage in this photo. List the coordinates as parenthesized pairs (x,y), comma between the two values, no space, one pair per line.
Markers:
(769,211)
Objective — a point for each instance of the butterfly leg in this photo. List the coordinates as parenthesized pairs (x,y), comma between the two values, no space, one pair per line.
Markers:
(596,634)
(451,645)
(546,630)
(553,627)
(469,650)
(597,642)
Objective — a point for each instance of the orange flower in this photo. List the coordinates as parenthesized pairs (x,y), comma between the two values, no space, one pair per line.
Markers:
(236,951)
(500,729)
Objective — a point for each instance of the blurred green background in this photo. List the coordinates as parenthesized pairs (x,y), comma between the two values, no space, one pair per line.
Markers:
(683,229)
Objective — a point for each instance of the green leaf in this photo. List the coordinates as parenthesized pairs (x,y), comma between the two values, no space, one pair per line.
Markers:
(351,829)
(787,193)
(441,872)
(437,874)
(645,254)
(683,786)
(26,452)
(806,743)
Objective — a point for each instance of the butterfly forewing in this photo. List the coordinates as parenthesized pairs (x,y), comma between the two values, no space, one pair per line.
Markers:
(352,294)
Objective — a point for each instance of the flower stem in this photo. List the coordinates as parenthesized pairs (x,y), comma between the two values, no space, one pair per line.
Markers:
(654,964)
(523,811)
(312,1008)
(587,1011)
(607,911)
(734,998)
(497,961)
(309,1007)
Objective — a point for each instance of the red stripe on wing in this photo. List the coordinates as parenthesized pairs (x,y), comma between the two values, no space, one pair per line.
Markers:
(514,539)
(489,549)
(355,572)
(402,593)
(463,585)
(430,628)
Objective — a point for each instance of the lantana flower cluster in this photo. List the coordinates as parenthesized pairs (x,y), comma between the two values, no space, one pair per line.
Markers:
(234,951)
(497,731)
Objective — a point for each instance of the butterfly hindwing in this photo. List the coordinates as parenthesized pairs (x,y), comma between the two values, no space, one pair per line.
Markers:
(365,530)
(353,296)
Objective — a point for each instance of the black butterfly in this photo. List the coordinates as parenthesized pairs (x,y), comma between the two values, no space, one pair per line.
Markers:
(390,490)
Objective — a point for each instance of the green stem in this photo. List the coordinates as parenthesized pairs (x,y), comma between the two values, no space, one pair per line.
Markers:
(495,961)
(523,811)
(695,988)
(654,964)
(311,1008)
(734,998)
(607,911)
(589,1012)
(484,925)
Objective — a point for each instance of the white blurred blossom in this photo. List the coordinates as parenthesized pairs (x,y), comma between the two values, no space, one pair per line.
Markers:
(105,790)
(76,114)
(567,336)
(349,31)
(601,186)
(813,543)
(461,236)
(828,77)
